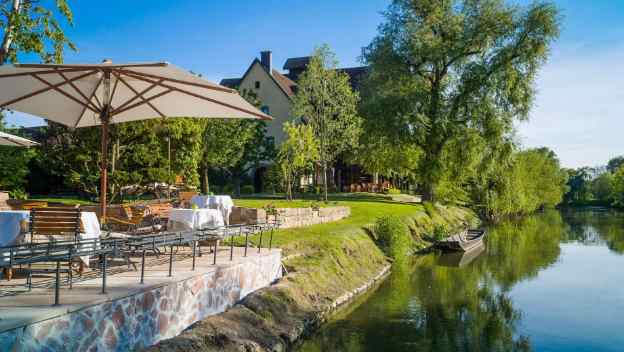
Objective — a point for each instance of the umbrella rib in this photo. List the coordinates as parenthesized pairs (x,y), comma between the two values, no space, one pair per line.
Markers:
(145,101)
(139,95)
(200,96)
(76,89)
(112,95)
(92,95)
(218,88)
(44,72)
(64,92)
(89,67)
(32,94)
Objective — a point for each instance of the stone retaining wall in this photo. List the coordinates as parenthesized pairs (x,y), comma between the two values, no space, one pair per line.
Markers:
(141,320)
(291,217)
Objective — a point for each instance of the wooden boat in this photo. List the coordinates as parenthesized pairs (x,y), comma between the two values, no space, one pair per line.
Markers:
(463,242)
(460,259)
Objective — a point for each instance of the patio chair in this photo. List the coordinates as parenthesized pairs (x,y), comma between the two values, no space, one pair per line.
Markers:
(160,213)
(136,216)
(33,204)
(185,198)
(55,224)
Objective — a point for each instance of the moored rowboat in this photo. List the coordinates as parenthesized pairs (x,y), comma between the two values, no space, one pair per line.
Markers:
(464,241)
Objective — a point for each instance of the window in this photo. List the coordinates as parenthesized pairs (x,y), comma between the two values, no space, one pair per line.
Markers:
(257,84)
(265,109)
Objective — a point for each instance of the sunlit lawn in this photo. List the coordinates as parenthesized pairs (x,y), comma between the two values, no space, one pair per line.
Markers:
(365,209)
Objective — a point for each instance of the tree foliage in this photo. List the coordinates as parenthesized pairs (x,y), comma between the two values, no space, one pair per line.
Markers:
(33,27)
(14,166)
(326,102)
(614,164)
(531,180)
(440,69)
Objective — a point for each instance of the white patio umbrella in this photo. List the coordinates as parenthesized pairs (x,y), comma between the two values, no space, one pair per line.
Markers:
(15,141)
(101,94)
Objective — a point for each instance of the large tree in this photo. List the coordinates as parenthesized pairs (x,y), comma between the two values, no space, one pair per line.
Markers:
(442,67)
(29,26)
(326,102)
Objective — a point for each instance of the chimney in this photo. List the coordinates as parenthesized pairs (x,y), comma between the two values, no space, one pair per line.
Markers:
(266,60)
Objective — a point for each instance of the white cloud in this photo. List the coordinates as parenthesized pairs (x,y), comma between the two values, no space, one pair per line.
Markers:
(579,110)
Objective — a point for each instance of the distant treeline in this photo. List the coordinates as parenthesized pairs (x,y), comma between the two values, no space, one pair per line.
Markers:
(597,186)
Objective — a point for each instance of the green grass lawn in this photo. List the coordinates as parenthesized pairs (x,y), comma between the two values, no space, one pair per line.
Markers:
(63,200)
(365,209)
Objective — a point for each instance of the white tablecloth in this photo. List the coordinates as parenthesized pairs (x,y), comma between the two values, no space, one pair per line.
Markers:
(222,203)
(194,219)
(10,228)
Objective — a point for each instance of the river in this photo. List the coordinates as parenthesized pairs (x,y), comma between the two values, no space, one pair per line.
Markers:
(550,282)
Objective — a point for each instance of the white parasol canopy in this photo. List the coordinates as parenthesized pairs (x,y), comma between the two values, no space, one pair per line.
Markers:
(101,94)
(15,141)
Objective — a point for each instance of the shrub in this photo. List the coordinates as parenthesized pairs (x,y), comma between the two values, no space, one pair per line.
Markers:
(247,189)
(393,237)
(393,190)
(439,232)
(228,189)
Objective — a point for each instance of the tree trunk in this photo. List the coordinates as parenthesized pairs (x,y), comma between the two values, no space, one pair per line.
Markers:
(289,188)
(237,185)
(325,181)
(8,34)
(205,184)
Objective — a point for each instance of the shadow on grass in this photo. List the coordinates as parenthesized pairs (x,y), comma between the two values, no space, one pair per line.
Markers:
(332,197)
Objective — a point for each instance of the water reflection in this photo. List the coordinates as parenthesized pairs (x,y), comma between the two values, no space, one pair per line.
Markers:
(468,303)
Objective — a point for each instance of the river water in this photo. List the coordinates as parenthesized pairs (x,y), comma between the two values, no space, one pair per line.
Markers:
(550,282)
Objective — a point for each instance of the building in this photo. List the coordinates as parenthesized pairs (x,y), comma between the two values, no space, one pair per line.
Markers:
(276,89)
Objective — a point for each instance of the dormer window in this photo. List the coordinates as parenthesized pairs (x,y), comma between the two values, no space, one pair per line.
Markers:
(257,85)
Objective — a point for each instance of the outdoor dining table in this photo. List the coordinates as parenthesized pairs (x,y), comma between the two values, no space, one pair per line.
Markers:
(13,226)
(194,219)
(222,203)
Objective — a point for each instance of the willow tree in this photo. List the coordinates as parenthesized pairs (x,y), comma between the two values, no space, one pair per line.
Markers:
(326,102)
(28,26)
(442,67)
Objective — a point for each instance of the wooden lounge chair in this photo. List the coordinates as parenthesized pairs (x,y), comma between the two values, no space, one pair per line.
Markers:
(136,216)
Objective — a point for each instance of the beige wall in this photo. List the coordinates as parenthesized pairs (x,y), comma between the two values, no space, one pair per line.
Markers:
(271,95)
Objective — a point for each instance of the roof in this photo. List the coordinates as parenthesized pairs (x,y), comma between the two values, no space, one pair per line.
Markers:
(230,82)
(356,75)
(297,62)
(285,83)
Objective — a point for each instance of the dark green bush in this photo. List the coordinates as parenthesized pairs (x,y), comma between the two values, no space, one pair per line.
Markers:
(247,189)
(393,237)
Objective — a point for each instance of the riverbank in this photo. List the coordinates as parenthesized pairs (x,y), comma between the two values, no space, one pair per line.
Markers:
(327,264)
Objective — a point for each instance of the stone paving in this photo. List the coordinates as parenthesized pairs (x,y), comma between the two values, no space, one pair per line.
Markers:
(130,315)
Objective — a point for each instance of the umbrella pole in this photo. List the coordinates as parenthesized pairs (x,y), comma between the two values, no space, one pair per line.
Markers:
(105,117)
(104,169)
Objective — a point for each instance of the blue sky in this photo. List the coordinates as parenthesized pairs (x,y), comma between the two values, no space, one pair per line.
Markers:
(579,109)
